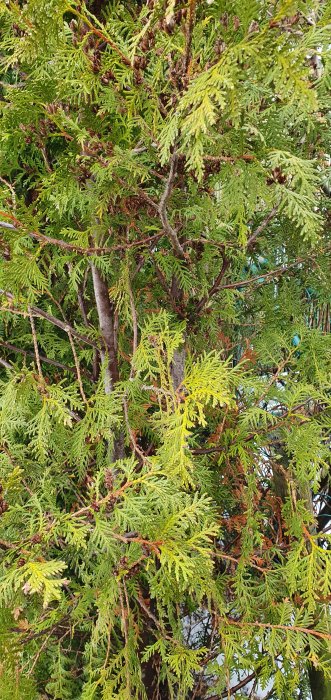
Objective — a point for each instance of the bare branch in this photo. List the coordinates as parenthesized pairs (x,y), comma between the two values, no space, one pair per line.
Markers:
(35,344)
(80,296)
(48,317)
(171,233)
(106,323)
(207,450)
(12,85)
(262,276)
(79,378)
(286,628)
(134,319)
(145,242)
(43,358)
(177,367)
(11,188)
(189,33)
(214,288)
(272,273)
(133,440)
(5,364)
(261,227)
(247,157)
(6,224)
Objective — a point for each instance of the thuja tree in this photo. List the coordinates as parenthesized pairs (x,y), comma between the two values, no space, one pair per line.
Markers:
(165,349)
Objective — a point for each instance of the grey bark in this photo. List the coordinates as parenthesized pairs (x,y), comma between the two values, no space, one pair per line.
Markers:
(106,316)
(105,311)
(178,367)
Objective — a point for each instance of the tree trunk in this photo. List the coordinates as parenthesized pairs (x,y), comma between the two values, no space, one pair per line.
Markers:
(105,311)
(319,685)
(178,363)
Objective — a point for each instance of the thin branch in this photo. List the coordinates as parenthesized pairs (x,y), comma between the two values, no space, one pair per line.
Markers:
(261,227)
(220,555)
(252,695)
(81,304)
(79,378)
(45,158)
(207,450)
(189,34)
(124,616)
(43,358)
(138,191)
(286,628)
(94,250)
(12,85)
(219,278)
(11,188)
(266,275)
(251,677)
(236,687)
(38,654)
(133,314)
(106,324)
(60,243)
(5,364)
(166,289)
(274,377)
(171,233)
(35,344)
(35,311)
(161,278)
(80,296)
(134,320)
(214,288)
(250,436)
(7,545)
(269,695)
(133,440)
(6,224)
(155,620)
(50,630)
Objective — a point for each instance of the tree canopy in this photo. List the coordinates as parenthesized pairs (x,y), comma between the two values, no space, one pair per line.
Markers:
(165,352)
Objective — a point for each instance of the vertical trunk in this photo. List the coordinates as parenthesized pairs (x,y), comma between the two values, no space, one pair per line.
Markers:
(177,367)
(178,362)
(319,685)
(105,310)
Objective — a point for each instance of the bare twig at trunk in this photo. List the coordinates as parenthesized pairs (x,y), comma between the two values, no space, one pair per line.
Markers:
(78,373)
(168,229)
(105,311)
(261,227)
(35,344)
(35,311)
(43,358)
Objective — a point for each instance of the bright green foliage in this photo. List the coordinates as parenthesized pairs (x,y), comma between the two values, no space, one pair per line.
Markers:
(165,498)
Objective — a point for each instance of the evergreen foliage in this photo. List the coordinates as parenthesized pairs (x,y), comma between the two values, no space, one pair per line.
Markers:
(165,494)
